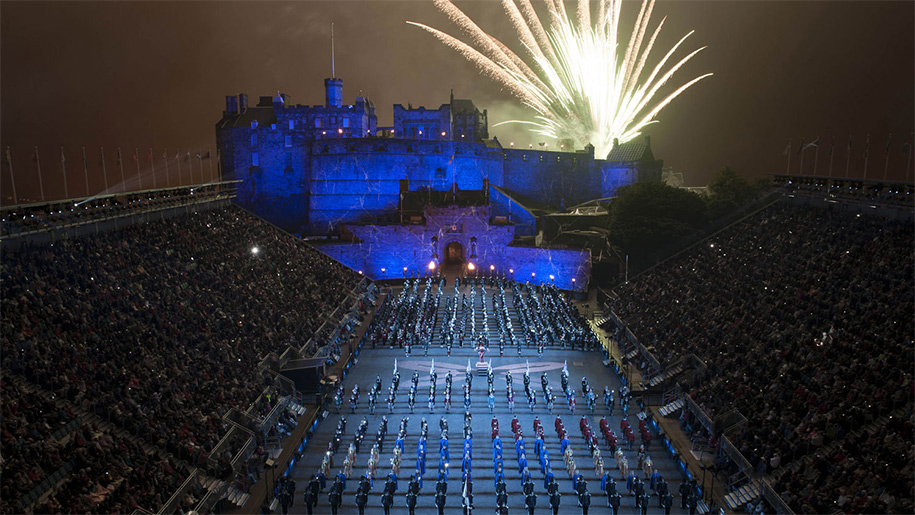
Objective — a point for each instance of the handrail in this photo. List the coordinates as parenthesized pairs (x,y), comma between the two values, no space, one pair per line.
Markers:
(175,500)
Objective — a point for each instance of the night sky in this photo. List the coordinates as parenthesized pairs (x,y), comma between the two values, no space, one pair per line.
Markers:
(119,74)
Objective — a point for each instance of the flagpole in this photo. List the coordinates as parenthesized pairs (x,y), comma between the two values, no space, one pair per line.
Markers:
(63,170)
(867,145)
(816,157)
(168,181)
(152,167)
(788,166)
(218,167)
(121,166)
(178,158)
(104,170)
(847,156)
(908,162)
(86,172)
(886,158)
(210,164)
(40,181)
(9,163)
(832,152)
(136,159)
(800,167)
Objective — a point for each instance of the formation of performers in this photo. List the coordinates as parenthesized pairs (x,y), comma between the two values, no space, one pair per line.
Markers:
(642,480)
(544,316)
(546,392)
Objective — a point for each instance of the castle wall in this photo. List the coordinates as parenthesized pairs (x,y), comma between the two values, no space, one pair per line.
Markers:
(555,178)
(502,205)
(357,180)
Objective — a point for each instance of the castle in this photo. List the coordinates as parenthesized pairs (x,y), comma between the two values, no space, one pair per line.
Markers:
(331,170)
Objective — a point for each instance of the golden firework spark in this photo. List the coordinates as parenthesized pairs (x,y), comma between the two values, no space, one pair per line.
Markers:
(574,77)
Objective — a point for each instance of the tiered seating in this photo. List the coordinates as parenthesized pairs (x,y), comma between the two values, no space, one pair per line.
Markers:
(157,328)
(804,317)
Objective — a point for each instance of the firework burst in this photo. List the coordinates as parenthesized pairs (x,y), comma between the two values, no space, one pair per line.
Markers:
(581,83)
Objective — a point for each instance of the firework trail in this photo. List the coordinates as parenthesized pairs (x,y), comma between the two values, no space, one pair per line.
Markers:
(573,75)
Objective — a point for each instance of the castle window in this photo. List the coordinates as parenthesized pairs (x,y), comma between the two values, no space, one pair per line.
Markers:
(255,159)
(273,126)
(346,122)
(253,140)
(318,123)
(291,124)
(287,140)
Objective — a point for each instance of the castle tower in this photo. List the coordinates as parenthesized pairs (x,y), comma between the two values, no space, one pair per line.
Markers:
(333,92)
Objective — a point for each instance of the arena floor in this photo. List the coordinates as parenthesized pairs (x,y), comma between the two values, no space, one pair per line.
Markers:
(380,362)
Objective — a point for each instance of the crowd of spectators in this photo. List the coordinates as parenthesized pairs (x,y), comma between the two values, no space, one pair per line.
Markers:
(804,318)
(157,328)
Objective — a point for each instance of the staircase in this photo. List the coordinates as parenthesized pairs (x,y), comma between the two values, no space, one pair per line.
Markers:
(663,376)
(671,407)
(746,493)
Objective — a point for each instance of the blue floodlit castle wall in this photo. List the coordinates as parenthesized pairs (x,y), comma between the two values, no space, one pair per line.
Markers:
(407,250)
(308,169)
(313,170)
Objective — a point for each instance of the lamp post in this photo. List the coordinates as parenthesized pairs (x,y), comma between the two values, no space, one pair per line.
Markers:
(573,284)
(404,272)
(511,272)
(383,270)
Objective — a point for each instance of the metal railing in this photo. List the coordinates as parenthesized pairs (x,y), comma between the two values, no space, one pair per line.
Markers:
(171,506)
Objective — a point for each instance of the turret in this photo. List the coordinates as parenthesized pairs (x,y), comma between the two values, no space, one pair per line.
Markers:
(333,92)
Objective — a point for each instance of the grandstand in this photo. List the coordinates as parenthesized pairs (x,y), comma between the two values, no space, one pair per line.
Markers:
(785,342)
(146,341)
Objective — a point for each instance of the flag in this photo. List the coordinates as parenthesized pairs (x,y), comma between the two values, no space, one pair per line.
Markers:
(177,155)
(813,144)
(787,149)
(8,158)
(164,154)
(888,144)
(63,158)
(848,150)
(867,145)
(198,155)
(187,157)
(800,148)
(905,148)
(205,156)
(832,146)
(149,157)
(134,157)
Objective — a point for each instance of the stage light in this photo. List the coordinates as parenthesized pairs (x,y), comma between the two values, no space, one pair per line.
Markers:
(443,134)
(255,250)
(533,274)
(432,265)
(492,267)
(552,277)
(471,266)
